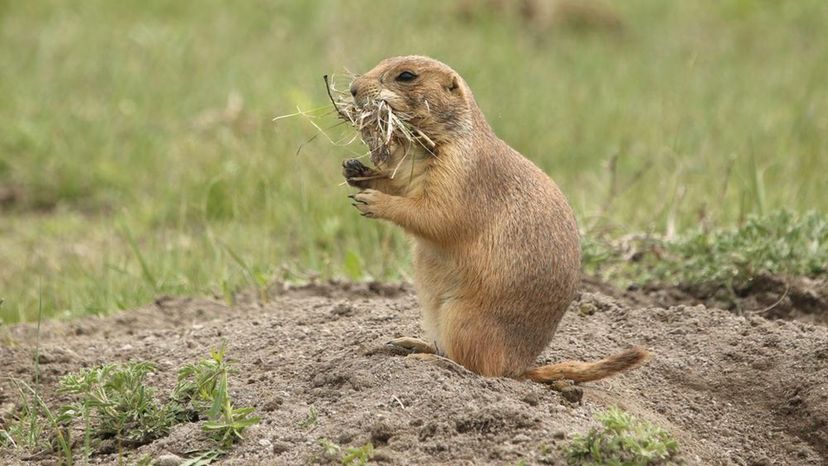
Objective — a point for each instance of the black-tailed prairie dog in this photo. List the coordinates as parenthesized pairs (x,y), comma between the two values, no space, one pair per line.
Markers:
(496,247)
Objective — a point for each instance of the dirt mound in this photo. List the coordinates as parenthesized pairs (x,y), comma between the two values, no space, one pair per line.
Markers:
(732,389)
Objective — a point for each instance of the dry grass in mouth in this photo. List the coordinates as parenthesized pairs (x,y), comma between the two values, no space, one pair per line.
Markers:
(380,127)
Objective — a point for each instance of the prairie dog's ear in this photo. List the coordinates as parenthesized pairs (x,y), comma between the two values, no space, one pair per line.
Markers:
(453,85)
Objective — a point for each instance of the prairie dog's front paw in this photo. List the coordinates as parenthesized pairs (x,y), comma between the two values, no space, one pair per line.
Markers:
(356,173)
(369,202)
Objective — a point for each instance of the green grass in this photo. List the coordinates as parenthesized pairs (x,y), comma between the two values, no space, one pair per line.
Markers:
(311,420)
(781,243)
(137,135)
(623,440)
(36,427)
(116,401)
(203,391)
(351,456)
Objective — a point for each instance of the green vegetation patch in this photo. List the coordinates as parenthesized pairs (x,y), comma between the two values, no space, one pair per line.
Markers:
(351,456)
(203,390)
(782,243)
(114,402)
(623,440)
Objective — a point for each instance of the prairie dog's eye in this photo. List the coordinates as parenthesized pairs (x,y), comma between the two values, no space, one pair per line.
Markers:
(406,76)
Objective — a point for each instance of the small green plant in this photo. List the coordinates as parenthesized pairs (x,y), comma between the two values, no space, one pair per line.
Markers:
(623,440)
(204,458)
(358,456)
(329,448)
(25,430)
(310,420)
(203,387)
(34,421)
(114,401)
(352,456)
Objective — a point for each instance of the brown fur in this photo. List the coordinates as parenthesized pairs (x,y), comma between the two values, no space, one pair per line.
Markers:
(496,246)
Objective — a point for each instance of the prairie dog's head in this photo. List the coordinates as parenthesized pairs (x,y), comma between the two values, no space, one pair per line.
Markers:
(432,96)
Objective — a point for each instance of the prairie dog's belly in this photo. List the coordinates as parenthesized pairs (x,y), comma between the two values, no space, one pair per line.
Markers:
(437,279)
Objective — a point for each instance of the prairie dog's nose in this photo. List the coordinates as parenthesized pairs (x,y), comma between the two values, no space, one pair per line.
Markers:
(354,89)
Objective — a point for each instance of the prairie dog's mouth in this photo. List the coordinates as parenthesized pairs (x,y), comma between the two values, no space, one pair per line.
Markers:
(381,126)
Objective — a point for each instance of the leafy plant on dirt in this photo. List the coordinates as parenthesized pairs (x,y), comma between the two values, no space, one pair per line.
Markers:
(358,456)
(114,401)
(352,456)
(782,243)
(623,440)
(203,388)
(329,447)
(204,458)
(310,420)
(35,420)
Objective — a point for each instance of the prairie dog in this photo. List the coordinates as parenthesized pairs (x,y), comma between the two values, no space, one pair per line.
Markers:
(496,245)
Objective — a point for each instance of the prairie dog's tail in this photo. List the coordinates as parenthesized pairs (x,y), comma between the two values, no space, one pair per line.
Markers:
(587,371)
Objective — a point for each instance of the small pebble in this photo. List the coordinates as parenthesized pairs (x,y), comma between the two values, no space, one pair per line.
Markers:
(168,459)
(521,438)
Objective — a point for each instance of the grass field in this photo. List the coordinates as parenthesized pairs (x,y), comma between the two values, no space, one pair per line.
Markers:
(138,156)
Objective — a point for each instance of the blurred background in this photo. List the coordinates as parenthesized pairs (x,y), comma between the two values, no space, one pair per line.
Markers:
(138,156)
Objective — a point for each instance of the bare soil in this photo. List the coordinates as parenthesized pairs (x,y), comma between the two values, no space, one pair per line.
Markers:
(734,389)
